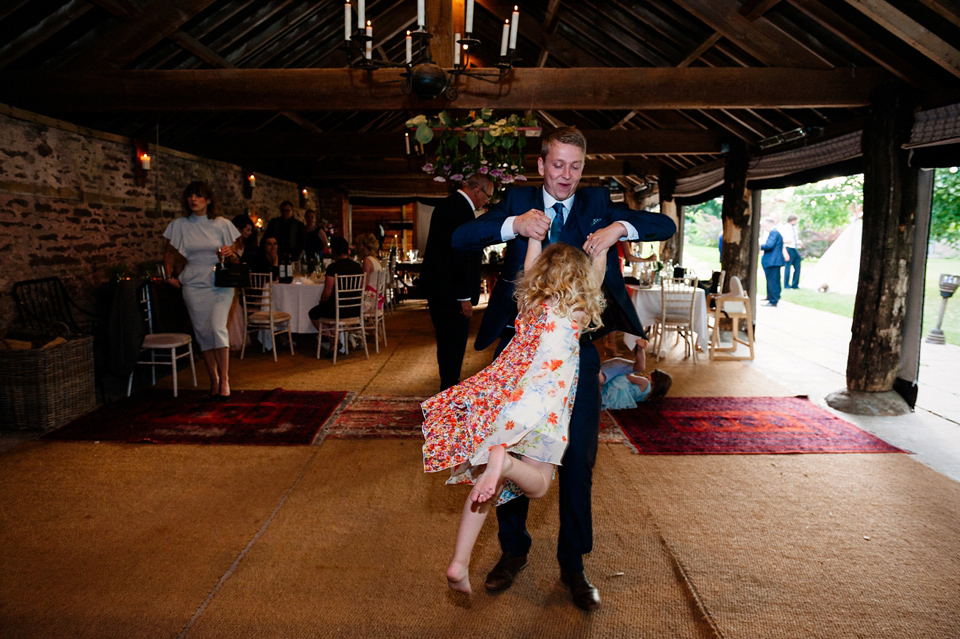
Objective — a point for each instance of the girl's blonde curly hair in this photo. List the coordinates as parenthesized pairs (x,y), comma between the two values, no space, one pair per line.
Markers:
(563,276)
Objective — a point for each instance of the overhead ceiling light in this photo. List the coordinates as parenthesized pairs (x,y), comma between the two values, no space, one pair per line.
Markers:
(782,138)
(423,77)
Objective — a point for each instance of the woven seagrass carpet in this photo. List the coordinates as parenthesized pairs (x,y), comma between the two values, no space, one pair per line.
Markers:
(742,425)
(249,417)
(384,416)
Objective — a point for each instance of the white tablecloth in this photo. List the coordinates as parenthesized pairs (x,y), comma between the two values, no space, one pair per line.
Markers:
(297,299)
(647,303)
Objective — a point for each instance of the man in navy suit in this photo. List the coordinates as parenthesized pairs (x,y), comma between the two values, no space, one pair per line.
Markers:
(772,261)
(584,218)
(451,279)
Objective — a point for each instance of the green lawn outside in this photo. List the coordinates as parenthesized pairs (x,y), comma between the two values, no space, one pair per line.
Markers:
(705,259)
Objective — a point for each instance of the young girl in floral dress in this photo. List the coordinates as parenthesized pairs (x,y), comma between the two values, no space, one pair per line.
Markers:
(505,429)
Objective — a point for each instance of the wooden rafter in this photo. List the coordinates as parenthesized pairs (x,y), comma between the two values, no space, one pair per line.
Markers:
(53,23)
(381,144)
(348,90)
(911,32)
(758,38)
(128,40)
(862,42)
(753,9)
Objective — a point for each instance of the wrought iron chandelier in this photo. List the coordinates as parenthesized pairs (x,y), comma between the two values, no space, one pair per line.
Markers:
(422,77)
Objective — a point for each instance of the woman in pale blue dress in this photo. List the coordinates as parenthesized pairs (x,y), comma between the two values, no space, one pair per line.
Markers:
(202,237)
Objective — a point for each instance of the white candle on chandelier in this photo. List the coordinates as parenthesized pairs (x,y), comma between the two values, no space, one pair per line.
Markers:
(406,139)
(145,161)
(421,14)
(369,40)
(456,49)
(252,180)
(346,21)
(409,42)
(361,13)
(514,23)
(469,19)
(503,40)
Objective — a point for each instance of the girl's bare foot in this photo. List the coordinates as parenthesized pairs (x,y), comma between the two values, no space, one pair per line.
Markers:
(489,481)
(458,577)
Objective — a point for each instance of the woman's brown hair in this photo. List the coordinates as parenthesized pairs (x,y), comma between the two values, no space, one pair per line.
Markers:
(204,191)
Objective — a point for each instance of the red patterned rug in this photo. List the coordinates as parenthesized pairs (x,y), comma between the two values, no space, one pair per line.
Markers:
(742,425)
(401,417)
(250,417)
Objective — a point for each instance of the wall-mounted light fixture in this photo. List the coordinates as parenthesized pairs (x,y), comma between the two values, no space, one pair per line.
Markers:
(142,162)
(304,197)
(249,183)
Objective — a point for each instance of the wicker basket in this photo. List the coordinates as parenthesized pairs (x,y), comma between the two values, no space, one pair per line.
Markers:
(43,389)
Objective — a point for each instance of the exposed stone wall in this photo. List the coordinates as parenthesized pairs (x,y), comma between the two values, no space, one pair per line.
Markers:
(70,206)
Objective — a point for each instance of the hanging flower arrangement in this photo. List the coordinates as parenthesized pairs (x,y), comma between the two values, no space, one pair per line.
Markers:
(476,143)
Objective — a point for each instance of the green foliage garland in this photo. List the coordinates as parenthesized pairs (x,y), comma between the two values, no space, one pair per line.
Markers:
(475,143)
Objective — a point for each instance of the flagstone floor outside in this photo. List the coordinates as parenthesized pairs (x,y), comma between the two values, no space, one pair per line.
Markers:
(806,351)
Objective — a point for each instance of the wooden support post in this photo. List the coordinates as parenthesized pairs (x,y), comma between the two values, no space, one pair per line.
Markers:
(889,220)
(738,228)
(671,249)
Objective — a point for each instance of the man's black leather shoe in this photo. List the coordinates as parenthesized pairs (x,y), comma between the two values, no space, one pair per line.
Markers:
(506,570)
(585,595)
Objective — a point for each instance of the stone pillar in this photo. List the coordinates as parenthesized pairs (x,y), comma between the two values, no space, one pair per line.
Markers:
(889,219)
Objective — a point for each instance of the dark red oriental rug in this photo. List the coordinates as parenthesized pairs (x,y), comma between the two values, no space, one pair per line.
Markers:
(388,416)
(742,425)
(261,417)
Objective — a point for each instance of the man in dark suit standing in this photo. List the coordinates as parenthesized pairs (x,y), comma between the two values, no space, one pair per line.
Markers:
(289,231)
(584,218)
(772,260)
(451,279)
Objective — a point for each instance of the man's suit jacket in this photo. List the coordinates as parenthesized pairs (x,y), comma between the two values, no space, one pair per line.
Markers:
(290,234)
(772,250)
(592,211)
(445,273)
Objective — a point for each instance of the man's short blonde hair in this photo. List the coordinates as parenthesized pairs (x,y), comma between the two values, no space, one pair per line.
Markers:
(564,135)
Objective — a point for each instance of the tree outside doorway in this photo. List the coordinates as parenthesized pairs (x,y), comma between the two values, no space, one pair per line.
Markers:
(825,210)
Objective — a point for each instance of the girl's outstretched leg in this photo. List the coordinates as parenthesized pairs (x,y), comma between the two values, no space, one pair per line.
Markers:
(488,482)
(471,521)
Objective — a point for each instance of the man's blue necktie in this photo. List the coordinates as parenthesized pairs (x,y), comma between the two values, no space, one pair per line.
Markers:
(557,223)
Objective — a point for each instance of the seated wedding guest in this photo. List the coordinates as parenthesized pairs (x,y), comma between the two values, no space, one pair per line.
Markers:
(315,237)
(341,265)
(246,246)
(269,260)
(367,249)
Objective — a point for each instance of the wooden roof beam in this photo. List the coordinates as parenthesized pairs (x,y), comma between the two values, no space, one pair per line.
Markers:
(398,169)
(47,27)
(350,90)
(863,42)
(759,38)
(380,144)
(908,30)
(128,40)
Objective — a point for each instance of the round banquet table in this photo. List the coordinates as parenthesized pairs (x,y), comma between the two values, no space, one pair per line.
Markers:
(297,299)
(647,303)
